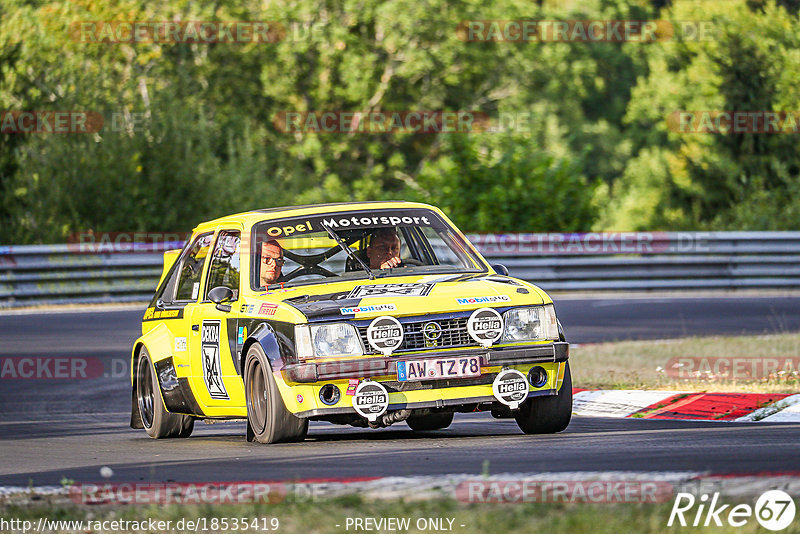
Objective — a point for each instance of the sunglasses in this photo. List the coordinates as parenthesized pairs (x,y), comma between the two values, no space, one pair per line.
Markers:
(266,260)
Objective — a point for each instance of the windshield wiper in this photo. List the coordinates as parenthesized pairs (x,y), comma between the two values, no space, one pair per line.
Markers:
(348,251)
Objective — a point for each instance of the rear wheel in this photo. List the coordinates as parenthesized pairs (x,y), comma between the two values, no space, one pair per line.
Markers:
(434,421)
(546,415)
(268,420)
(157,421)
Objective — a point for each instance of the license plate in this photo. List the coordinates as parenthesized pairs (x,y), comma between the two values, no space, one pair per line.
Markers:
(432,369)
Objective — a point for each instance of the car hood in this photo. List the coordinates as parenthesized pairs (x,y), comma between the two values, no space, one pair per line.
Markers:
(408,295)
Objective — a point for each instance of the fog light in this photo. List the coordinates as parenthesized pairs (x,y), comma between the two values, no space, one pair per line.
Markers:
(537,376)
(329,394)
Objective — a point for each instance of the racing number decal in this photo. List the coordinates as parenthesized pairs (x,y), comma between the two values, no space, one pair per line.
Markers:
(212,367)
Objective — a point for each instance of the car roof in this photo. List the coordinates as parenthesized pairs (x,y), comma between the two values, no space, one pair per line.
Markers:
(249,218)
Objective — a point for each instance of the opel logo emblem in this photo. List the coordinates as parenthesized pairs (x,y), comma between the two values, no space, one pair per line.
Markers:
(432,331)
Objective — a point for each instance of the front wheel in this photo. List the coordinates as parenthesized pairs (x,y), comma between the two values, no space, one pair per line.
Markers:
(268,420)
(546,415)
(157,421)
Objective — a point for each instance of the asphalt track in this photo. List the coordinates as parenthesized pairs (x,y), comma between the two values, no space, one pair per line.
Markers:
(51,429)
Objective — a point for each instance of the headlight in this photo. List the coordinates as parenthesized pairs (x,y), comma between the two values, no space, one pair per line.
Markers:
(530,324)
(327,340)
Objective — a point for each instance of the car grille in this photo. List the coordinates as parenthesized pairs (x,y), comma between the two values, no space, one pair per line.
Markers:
(454,334)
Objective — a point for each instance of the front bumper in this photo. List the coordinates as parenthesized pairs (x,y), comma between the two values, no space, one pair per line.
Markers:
(301,383)
(307,373)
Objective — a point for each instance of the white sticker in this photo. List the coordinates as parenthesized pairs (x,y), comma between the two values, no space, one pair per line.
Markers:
(510,387)
(485,326)
(180,344)
(371,400)
(368,309)
(385,334)
(212,367)
(195,290)
(390,290)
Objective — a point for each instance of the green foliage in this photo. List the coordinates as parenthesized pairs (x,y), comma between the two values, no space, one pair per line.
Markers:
(501,183)
(715,181)
(206,140)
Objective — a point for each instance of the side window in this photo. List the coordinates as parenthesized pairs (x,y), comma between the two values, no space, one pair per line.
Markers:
(442,248)
(168,289)
(224,270)
(192,269)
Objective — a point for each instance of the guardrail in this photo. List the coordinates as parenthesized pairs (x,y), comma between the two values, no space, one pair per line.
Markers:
(628,261)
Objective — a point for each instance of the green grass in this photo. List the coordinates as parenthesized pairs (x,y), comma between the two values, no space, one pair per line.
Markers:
(323,516)
(645,364)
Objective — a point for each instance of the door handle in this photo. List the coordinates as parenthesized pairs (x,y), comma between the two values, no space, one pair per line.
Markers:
(196,327)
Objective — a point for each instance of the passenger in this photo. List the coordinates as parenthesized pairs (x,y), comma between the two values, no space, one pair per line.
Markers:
(383,250)
(271,262)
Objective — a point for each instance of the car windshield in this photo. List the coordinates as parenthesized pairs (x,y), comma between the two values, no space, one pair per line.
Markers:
(371,244)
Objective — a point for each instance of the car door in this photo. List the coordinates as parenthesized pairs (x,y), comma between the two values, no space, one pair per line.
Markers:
(212,345)
(181,289)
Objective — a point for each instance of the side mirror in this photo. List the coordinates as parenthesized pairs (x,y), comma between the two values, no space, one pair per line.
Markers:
(500,269)
(221,294)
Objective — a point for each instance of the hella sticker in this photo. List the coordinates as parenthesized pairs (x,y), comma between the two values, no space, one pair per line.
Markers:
(370,400)
(385,334)
(510,387)
(485,326)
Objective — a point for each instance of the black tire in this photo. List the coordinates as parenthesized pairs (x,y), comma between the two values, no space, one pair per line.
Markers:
(157,421)
(434,421)
(268,420)
(547,415)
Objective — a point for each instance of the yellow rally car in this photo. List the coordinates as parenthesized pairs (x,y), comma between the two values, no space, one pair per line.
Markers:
(364,314)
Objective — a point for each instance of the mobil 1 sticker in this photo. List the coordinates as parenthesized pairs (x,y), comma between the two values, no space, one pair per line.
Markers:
(212,367)
(510,387)
(485,326)
(385,334)
(370,400)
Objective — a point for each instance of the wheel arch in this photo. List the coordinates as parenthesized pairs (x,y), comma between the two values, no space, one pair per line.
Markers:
(267,338)
(136,416)
(144,342)
(278,350)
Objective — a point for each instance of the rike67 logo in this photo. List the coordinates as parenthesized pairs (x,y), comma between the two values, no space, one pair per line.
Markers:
(774,510)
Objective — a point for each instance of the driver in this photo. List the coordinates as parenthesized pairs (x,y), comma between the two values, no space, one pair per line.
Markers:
(384,249)
(271,262)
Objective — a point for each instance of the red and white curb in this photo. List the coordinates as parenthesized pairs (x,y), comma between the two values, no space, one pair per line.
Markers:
(685,405)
